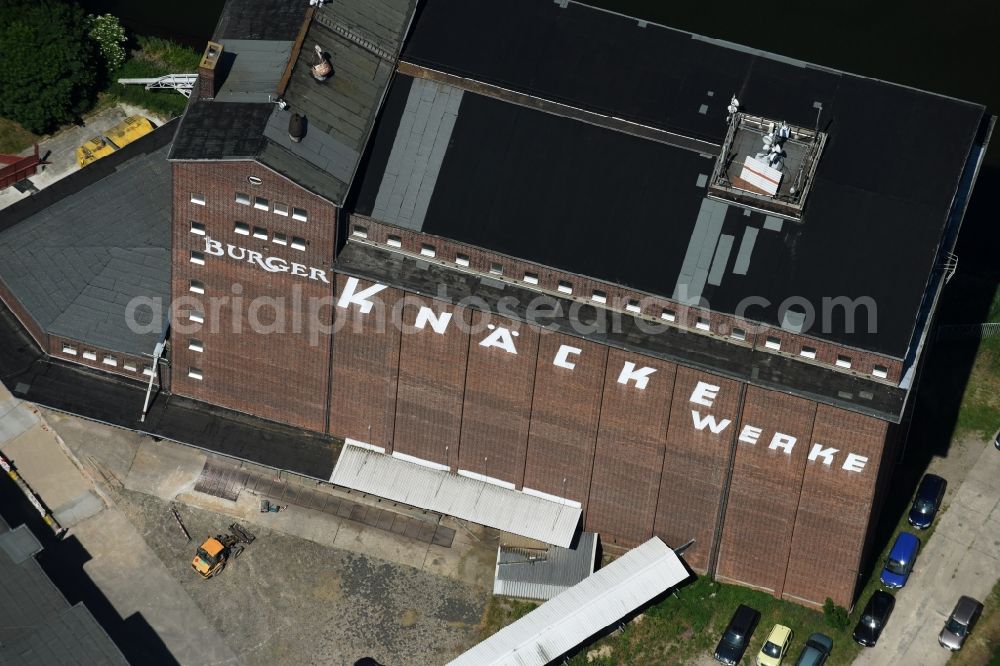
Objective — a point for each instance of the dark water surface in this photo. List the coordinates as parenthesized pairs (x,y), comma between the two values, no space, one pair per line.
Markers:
(948,48)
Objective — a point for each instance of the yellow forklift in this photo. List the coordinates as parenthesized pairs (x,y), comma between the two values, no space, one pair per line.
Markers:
(213,555)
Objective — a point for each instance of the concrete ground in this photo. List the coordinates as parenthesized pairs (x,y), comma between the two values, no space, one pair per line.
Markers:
(961,557)
(312,588)
(61,148)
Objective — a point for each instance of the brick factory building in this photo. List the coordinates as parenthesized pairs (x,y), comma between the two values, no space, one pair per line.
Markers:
(679,284)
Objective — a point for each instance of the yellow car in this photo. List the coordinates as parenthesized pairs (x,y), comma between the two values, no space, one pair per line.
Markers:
(775,647)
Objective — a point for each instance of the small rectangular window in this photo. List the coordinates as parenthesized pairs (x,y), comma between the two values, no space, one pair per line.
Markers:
(633,306)
(880,371)
(462,259)
(196,317)
(196,287)
(110,360)
(69,349)
(242,229)
(280,208)
(300,215)
(565,287)
(260,232)
(128,365)
(197,198)
(531,278)
(496,269)
(197,257)
(738,334)
(195,373)
(243,198)
(702,324)
(359,231)
(260,203)
(196,345)
(599,296)
(668,315)
(394,241)
(427,250)
(197,228)
(298,243)
(772,342)
(279,239)
(147,370)
(90,356)
(808,352)
(843,361)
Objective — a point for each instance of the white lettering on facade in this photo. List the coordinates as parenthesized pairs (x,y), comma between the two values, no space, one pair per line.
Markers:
(438,322)
(640,376)
(819,452)
(708,420)
(501,338)
(783,442)
(704,394)
(750,434)
(359,298)
(269,264)
(854,462)
(563,354)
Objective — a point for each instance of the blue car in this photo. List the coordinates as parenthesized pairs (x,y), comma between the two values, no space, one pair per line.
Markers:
(899,564)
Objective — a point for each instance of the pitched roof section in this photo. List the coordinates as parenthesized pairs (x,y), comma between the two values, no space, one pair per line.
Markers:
(77,263)
(362,40)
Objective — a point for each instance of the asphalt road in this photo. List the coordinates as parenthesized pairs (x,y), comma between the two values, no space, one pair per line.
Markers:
(961,557)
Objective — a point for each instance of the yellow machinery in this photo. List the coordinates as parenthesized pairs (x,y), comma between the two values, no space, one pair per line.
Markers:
(213,555)
(117,137)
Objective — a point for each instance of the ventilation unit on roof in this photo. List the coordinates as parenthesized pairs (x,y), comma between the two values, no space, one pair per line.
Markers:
(766,165)
(322,70)
(296,127)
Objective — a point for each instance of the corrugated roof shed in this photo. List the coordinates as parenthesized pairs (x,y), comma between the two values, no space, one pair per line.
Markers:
(458,496)
(542,574)
(567,620)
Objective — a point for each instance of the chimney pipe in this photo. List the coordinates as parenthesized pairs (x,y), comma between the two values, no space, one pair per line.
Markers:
(208,84)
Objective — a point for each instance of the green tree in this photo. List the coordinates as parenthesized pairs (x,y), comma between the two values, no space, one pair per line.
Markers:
(107,31)
(48,75)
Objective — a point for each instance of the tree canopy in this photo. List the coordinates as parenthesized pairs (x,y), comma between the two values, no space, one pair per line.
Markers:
(50,64)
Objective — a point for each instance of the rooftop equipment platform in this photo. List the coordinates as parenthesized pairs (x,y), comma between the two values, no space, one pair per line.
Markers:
(767,165)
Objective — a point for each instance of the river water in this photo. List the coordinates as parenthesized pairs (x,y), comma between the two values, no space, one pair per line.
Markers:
(947,48)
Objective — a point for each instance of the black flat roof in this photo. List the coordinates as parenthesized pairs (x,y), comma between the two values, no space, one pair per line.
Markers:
(584,198)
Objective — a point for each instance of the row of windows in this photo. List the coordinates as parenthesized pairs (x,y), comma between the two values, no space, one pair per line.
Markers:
(632,305)
(244,229)
(106,359)
(260,203)
(278,208)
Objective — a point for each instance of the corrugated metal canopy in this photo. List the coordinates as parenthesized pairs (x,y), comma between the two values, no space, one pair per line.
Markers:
(458,496)
(543,574)
(568,619)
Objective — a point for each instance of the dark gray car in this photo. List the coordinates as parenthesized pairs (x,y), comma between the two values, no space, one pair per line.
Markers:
(815,651)
(736,638)
(960,623)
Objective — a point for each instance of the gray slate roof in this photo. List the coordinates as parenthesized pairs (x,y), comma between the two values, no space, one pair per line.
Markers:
(77,263)
(37,624)
(362,38)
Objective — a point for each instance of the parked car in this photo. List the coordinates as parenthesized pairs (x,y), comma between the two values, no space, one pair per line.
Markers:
(927,501)
(775,647)
(960,623)
(736,638)
(899,564)
(873,618)
(816,651)
(996,442)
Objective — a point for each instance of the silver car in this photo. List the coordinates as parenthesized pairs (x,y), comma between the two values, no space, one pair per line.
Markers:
(960,623)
